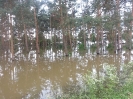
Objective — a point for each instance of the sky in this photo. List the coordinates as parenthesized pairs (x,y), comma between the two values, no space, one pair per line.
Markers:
(78,8)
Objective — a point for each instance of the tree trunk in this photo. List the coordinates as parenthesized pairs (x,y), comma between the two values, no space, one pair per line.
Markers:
(51,32)
(65,44)
(26,41)
(130,46)
(36,27)
(11,39)
(62,28)
(55,37)
(25,33)
(70,40)
(98,31)
(118,28)
(84,40)
(115,41)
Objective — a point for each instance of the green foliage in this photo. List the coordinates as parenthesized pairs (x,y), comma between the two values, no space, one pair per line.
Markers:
(93,37)
(102,87)
(125,35)
(56,41)
(89,20)
(127,19)
(2,12)
(108,23)
(98,21)
(2,3)
(41,40)
(60,46)
(55,38)
(106,85)
(93,48)
(81,46)
(127,38)
(49,43)
(81,36)
(71,21)
(110,47)
(126,46)
(62,15)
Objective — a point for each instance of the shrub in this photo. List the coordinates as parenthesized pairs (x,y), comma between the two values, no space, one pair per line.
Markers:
(81,46)
(106,85)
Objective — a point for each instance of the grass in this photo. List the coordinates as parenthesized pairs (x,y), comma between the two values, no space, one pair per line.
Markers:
(107,85)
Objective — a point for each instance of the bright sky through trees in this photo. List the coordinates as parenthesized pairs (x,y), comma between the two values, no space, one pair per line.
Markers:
(68,18)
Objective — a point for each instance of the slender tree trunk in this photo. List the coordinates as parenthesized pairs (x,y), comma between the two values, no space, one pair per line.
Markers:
(25,33)
(36,27)
(66,37)
(9,4)
(70,40)
(84,34)
(84,40)
(130,46)
(73,39)
(26,41)
(113,40)
(62,28)
(2,39)
(54,31)
(118,28)
(98,40)
(98,31)
(69,33)
(11,39)
(51,31)
(88,28)
(65,45)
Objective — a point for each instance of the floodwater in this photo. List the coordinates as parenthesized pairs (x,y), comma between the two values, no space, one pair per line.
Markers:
(43,76)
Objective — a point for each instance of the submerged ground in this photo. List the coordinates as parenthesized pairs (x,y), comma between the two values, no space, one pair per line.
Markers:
(33,76)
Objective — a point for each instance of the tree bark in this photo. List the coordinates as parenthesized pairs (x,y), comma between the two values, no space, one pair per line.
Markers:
(36,31)
(98,40)
(130,45)
(25,33)
(84,40)
(11,39)
(70,38)
(118,28)
(26,41)
(98,31)
(62,28)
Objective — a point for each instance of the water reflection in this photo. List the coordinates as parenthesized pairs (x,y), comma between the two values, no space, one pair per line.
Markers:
(43,76)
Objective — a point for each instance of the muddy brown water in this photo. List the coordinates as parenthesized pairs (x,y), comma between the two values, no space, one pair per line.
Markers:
(42,77)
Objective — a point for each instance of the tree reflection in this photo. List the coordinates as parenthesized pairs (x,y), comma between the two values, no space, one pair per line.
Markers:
(47,75)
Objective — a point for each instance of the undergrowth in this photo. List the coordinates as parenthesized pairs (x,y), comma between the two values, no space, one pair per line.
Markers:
(109,84)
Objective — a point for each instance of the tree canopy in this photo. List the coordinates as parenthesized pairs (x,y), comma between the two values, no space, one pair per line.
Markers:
(23,18)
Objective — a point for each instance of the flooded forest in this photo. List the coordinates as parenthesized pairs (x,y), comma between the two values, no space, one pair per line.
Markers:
(46,46)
